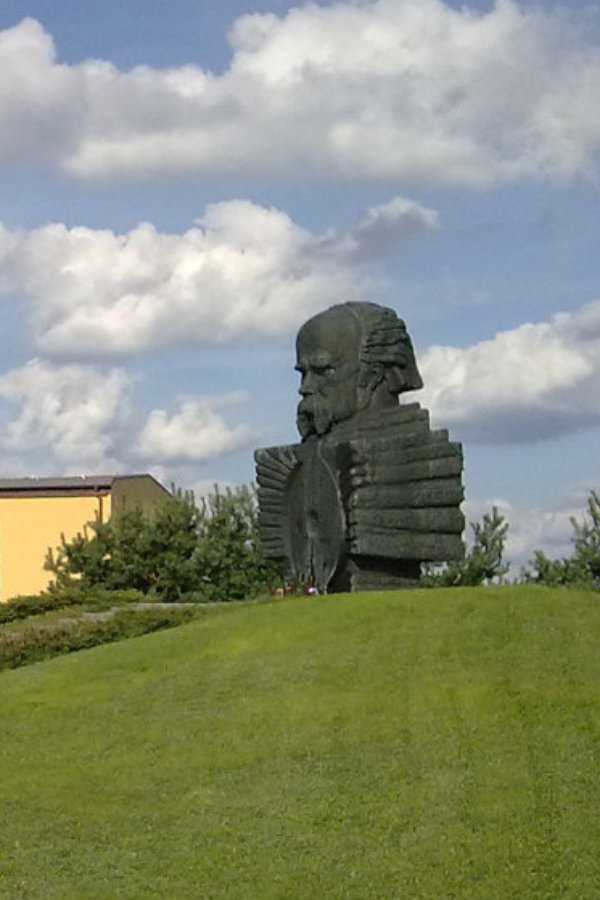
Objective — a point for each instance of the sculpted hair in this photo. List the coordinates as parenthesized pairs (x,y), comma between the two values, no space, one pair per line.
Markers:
(386,350)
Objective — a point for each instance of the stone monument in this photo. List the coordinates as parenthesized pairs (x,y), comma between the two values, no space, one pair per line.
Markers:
(371,491)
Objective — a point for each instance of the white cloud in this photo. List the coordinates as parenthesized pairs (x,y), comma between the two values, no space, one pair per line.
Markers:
(537,381)
(243,272)
(73,413)
(75,419)
(380,230)
(387,89)
(196,433)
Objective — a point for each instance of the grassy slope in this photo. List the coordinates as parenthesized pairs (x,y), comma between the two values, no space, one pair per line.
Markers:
(435,744)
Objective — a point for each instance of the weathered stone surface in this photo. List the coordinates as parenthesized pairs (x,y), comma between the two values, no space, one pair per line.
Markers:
(435,519)
(371,491)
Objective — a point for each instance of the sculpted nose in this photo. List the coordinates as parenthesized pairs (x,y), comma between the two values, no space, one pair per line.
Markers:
(306,385)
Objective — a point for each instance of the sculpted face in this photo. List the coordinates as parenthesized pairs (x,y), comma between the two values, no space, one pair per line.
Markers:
(327,351)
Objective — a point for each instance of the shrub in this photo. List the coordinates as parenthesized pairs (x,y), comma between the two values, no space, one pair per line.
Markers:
(227,562)
(44,638)
(483,564)
(75,595)
(175,548)
(583,566)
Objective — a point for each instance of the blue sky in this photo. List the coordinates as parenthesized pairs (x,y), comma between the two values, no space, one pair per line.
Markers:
(183,183)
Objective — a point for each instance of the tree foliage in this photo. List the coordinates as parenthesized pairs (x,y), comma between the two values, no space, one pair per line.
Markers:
(482,564)
(174,548)
(583,566)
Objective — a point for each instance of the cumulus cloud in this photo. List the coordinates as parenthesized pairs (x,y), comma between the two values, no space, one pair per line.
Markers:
(73,413)
(77,418)
(196,433)
(427,93)
(244,271)
(380,230)
(537,381)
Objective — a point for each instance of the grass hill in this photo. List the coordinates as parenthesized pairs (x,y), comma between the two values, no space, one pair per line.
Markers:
(425,744)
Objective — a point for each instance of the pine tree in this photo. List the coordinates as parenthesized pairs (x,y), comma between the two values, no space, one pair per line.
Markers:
(583,566)
(483,564)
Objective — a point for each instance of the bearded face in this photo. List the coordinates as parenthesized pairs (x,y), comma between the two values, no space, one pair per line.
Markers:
(327,359)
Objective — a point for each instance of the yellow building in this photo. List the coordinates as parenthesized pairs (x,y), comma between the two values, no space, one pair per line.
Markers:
(34,512)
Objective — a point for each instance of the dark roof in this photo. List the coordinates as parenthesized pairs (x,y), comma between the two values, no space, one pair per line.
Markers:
(69,485)
(75,482)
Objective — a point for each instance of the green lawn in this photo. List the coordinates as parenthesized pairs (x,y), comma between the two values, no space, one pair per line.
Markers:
(426,744)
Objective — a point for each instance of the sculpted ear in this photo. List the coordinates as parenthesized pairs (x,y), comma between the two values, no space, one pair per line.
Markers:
(379,385)
(389,377)
(370,376)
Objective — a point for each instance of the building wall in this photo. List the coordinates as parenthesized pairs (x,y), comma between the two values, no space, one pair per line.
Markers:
(136,490)
(29,526)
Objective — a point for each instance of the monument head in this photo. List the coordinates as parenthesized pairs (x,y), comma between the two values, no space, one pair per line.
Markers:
(352,357)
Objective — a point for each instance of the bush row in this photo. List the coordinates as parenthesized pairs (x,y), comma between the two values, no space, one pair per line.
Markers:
(89,598)
(44,638)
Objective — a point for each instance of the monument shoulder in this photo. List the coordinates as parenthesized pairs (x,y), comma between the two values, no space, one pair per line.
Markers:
(274,469)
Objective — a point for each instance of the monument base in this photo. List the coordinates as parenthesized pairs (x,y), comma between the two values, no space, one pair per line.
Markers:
(373,573)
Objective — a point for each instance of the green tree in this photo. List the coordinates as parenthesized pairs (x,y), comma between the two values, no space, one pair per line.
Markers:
(227,559)
(586,540)
(482,564)
(583,566)
(552,572)
(172,549)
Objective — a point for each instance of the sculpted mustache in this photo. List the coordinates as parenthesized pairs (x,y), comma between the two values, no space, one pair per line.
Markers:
(313,416)
(312,406)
